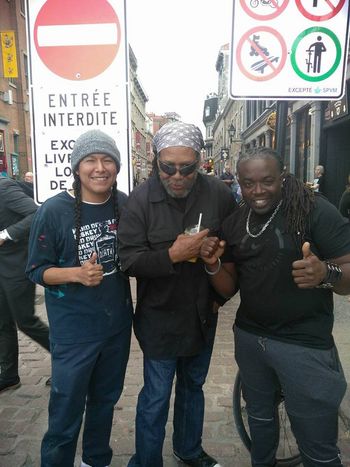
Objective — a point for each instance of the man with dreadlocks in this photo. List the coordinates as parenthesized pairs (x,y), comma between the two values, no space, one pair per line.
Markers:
(287,250)
(73,254)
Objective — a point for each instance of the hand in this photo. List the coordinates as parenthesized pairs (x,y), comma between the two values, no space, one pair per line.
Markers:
(2,242)
(212,248)
(309,271)
(186,247)
(91,273)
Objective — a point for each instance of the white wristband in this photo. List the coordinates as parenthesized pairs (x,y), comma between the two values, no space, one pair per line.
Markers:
(4,235)
(212,273)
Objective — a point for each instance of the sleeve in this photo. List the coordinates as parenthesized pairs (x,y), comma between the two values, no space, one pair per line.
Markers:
(344,205)
(41,250)
(330,232)
(18,202)
(136,256)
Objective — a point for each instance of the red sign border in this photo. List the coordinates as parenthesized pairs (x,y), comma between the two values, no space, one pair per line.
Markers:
(64,76)
(280,65)
(263,17)
(308,15)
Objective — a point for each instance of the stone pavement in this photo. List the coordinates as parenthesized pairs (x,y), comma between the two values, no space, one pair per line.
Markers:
(23,412)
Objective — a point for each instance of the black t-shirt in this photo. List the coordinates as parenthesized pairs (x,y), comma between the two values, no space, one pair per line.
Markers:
(271,304)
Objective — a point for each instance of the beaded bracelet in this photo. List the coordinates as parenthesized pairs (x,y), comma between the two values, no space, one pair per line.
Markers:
(212,273)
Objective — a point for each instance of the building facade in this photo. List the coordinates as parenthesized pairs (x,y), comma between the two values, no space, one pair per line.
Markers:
(15,151)
(316,133)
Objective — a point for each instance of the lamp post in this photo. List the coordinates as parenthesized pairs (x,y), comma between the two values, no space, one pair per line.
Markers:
(231,132)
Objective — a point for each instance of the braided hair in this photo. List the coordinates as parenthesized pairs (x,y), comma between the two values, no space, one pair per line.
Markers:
(298,199)
(77,211)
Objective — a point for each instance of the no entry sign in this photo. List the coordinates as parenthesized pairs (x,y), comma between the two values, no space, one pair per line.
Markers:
(78,82)
(295,49)
(77,40)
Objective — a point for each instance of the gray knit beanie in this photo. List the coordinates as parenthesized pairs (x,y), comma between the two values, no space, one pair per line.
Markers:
(94,142)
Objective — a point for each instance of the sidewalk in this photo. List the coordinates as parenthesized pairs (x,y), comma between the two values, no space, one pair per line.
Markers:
(23,412)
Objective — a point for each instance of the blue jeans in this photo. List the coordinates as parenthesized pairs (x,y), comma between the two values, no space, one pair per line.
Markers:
(313,385)
(88,377)
(153,408)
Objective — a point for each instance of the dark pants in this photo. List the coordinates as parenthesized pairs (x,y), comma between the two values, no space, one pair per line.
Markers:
(153,408)
(17,297)
(313,384)
(88,377)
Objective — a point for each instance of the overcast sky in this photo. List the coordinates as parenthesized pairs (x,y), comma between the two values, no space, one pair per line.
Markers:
(176,43)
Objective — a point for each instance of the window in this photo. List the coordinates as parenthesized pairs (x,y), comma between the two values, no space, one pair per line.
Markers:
(22,7)
(25,63)
(15,143)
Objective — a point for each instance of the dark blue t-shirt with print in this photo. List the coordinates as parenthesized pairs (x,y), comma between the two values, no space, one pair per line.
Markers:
(78,313)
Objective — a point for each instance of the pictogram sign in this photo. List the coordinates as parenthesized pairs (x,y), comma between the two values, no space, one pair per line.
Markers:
(316,54)
(319,10)
(77,40)
(264,9)
(261,53)
(294,49)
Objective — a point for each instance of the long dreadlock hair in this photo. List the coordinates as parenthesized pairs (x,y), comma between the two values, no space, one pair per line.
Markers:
(298,199)
(77,211)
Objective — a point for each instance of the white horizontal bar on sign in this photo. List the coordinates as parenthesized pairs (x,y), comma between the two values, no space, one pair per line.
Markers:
(77,34)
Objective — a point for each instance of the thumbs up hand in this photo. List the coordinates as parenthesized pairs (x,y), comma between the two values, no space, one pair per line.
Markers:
(91,273)
(309,271)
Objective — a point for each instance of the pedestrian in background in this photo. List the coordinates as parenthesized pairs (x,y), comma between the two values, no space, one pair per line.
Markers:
(288,250)
(176,311)
(73,254)
(17,292)
(227,176)
(344,205)
(28,177)
(318,184)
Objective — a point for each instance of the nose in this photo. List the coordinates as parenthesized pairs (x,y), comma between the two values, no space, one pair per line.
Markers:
(177,175)
(258,188)
(99,166)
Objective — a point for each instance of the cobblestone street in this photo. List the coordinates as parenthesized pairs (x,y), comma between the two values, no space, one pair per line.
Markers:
(23,412)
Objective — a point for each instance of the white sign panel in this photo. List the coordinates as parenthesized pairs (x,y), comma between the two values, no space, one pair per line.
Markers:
(289,49)
(79,70)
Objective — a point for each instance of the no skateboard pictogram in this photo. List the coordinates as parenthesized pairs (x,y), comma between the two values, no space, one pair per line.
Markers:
(77,40)
(319,10)
(261,53)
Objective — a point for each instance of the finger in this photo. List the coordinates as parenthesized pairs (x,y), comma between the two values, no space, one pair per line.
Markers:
(93,258)
(202,233)
(306,249)
(222,243)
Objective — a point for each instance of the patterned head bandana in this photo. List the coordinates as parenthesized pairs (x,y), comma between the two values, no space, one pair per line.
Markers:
(178,134)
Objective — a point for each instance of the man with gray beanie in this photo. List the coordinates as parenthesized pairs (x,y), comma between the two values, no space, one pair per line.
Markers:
(73,254)
(176,310)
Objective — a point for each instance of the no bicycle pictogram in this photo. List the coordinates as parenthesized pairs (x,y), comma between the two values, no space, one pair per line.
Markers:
(319,10)
(77,40)
(261,53)
(316,54)
(264,9)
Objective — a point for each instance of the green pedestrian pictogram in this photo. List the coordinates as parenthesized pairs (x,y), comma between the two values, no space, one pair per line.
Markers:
(317,49)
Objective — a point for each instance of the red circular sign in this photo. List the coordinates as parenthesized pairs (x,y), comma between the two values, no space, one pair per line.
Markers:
(269,63)
(271,8)
(78,39)
(334,9)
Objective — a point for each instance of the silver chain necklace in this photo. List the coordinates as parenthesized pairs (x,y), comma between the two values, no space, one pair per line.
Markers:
(265,226)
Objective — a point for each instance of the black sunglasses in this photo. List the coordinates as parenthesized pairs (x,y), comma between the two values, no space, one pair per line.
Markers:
(172,169)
